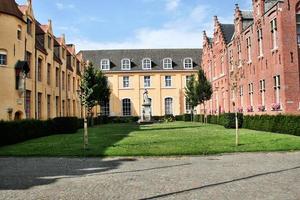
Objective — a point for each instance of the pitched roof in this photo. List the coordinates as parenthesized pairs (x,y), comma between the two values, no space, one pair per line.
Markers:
(228,31)
(247,18)
(270,3)
(137,55)
(10,7)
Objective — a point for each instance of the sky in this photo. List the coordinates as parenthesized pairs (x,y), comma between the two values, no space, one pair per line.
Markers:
(130,24)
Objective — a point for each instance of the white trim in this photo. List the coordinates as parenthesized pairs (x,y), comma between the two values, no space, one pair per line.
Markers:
(123,77)
(101,64)
(164,63)
(166,82)
(149,82)
(184,63)
(171,107)
(150,63)
(122,64)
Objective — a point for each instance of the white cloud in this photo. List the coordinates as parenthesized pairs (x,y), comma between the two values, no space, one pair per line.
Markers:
(172,5)
(61,6)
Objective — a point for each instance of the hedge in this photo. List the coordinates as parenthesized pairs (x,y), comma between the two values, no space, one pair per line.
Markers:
(286,124)
(12,132)
(228,120)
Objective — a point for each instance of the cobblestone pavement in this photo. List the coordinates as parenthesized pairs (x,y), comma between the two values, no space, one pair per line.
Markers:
(233,176)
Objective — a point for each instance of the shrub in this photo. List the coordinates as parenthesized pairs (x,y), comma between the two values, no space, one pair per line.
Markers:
(169,118)
(179,117)
(187,117)
(228,120)
(286,124)
(63,125)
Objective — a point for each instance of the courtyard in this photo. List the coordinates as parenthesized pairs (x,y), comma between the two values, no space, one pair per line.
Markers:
(162,139)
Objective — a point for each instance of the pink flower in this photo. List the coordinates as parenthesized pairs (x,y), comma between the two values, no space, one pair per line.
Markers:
(276,106)
(250,109)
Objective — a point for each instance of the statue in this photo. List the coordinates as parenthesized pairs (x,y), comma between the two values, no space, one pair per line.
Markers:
(146,108)
(146,98)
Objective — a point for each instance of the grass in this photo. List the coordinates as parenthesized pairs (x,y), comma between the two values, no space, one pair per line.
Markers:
(167,139)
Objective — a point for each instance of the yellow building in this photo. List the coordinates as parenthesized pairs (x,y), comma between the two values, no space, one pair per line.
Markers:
(163,72)
(52,67)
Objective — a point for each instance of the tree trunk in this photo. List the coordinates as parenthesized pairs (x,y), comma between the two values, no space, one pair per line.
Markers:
(205,118)
(85,133)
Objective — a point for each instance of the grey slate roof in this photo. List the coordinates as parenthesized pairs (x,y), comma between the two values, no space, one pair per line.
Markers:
(137,55)
(270,3)
(228,31)
(247,17)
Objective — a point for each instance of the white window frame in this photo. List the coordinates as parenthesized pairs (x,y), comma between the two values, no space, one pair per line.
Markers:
(262,89)
(4,60)
(274,33)
(146,65)
(167,63)
(251,92)
(107,65)
(147,83)
(126,82)
(168,81)
(249,49)
(260,42)
(189,64)
(125,66)
(170,107)
(277,83)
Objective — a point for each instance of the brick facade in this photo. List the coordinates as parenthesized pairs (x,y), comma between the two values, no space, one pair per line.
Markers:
(254,62)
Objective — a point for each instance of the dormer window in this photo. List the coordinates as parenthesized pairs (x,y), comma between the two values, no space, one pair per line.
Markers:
(167,63)
(125,63)
(105,64)
(188,63)
(147,63)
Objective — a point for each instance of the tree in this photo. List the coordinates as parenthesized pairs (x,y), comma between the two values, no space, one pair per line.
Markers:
(204,90)
(191,94)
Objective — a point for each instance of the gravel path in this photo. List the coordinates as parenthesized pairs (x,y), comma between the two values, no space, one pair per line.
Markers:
(234,176)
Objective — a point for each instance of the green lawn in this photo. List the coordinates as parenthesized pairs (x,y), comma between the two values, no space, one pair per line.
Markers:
(178,138)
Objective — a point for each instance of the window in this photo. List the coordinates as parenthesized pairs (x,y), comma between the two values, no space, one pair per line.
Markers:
(104,108)
(242,95)
(188,63)
(74,83)
(251,93)
(29,26)
(298,27)
(147,63)
(49,42)
(57,106)
(28,104)
(69,82)
(48,106)
(260,42)
(125,81)
(63,53)
(39,106)
(74,108)
(68,107)
(188,79)
(188,107)
(57,77)
(105,64)
(48,73)
(222,66)
(147,81)
(168,81)
(277,88)
(28,59)
(3,57)
(126,65)
(231,59)
(167,63)
(274,33)
(126,107)
(64,107)
(239,49)
(39,69)
(248,40)
(19,33)
(63,80)
(262,89)
(169,106)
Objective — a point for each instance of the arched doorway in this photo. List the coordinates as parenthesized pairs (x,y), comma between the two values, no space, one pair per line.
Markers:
(18,115)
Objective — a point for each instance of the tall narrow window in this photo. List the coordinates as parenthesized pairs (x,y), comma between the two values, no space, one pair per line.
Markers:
(147,81)
(63,81)
(168,106)
(28,104)
(39,106)
(48,106)
(29,26)
(146,63)
(64,107)
(57,106)
(49,42)
(249,49)
(126,107)
(222,66)
(239,49)
(277,88)
(168,81)
(104,108)
(48,73)
(274,33)
(74,108)
(260,42)
(262,89)
(242,95)
(74,85)
(298,28)
(28,59)
(251,93)
(125,81)
(125,64)
(39,69)
(3,57)
(188,106)
(69,82)
(167,63)
(57,77)
(105,64)
(19,33)
(231,59)
(188,63)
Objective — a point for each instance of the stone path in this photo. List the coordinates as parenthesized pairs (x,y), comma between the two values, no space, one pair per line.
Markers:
(234,176)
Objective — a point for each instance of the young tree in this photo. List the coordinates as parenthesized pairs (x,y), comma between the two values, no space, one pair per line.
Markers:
(204,90)
(191,94)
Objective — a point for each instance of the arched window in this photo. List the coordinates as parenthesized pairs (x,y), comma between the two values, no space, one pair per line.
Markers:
(167,63)
(125,64)
(105,64)
(126,107)
(169,106)
(3,57)
(146,63)
(188,63)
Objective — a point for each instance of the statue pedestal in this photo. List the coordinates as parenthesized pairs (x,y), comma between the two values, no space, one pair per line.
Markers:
(146,113)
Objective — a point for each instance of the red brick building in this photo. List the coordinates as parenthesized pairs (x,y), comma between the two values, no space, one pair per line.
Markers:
(255,61)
